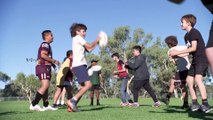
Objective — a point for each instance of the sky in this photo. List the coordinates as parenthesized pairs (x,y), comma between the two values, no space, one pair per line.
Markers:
(22,21)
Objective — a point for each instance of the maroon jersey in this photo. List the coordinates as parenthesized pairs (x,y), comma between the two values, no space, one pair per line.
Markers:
(120,67)
(46,47)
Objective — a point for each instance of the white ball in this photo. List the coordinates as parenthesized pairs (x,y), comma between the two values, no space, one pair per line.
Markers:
(104,39)
(90,72)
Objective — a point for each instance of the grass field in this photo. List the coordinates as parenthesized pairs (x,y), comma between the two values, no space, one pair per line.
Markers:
(109,110)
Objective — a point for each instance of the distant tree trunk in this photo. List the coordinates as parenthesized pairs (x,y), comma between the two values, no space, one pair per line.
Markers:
(27,92)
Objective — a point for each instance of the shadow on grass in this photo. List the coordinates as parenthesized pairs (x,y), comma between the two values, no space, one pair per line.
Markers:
(101,107)
(12,113)
(197,114)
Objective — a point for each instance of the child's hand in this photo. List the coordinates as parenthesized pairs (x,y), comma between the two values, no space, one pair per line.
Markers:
(173,53)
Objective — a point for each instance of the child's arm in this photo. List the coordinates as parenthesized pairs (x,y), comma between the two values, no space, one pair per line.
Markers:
(90,46)
(186,51)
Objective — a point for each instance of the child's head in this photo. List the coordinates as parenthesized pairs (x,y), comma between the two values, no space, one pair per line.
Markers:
(94,62)
(136,50)
(171,41)
(189,20)
(78,29)
(69,54)
(47,35)
(115,56)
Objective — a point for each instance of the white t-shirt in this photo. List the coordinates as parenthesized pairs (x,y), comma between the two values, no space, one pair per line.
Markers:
(78,51)
(182,63)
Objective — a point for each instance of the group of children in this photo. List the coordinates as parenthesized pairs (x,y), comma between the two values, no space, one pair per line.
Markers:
(76,62)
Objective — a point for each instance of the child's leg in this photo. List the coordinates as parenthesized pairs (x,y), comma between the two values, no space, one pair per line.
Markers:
(84,89)
(91,95)
(137,85)
(123,89)
(97,93)
(57,95)
(190,82)
(171,88)
(201,86)
(149,89)
(63,96)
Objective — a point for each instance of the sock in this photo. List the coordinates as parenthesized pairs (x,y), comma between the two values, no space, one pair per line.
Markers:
(58,102)
(37,99)
(62,102)
(169,95)
(194,101)
(204,101)
(185,102)
(45,103)
(74,101)
(130,101)
(91,101)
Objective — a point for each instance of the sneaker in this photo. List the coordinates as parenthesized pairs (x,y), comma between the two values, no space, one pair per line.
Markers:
(206,108)
(185,106)
(36,108)
(123,104)
(165,100)
(195,107)
(49,108)
(72,106)
(135,104)
(156,104)
(98,104)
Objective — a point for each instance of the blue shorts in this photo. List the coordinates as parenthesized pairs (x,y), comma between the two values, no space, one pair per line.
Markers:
(81,73)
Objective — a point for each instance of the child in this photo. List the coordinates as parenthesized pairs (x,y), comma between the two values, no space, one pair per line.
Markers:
(97,81)
(64,79)
(43,71)
(79,65)
(183,64)
(124,77)
(141,76)
(196,48)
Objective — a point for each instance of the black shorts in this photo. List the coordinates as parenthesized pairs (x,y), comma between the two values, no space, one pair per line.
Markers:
(181,76)
(95,87)
(199,68)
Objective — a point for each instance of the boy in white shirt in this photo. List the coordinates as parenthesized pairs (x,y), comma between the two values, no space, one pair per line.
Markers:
(79,65)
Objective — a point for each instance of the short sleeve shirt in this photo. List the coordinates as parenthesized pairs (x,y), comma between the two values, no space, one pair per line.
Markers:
(44,47)
(78,51)
(199,55)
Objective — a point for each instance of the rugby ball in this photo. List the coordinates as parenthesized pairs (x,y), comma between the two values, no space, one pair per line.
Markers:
(104,39)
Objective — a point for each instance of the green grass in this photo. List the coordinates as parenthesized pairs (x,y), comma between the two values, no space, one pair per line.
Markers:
(109,110)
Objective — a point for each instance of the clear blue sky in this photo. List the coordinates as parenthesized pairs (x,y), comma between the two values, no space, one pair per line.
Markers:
(22,21)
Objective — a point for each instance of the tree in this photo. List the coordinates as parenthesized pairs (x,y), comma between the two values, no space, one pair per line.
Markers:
(4,77)
(28,85)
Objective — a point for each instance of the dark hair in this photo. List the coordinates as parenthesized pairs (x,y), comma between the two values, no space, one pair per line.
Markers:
(44,33)
(69,52)
(115,54)
(171,41)
(77,27)
(189,18)
(137,47)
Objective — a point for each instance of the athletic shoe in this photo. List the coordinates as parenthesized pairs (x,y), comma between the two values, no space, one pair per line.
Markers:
(72,106)
(123,104)
(49,108)
(98,104)
(156,104)
(165,100)
(36,108)
(195,107)
(135,104)
(185,106)
(206,108)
